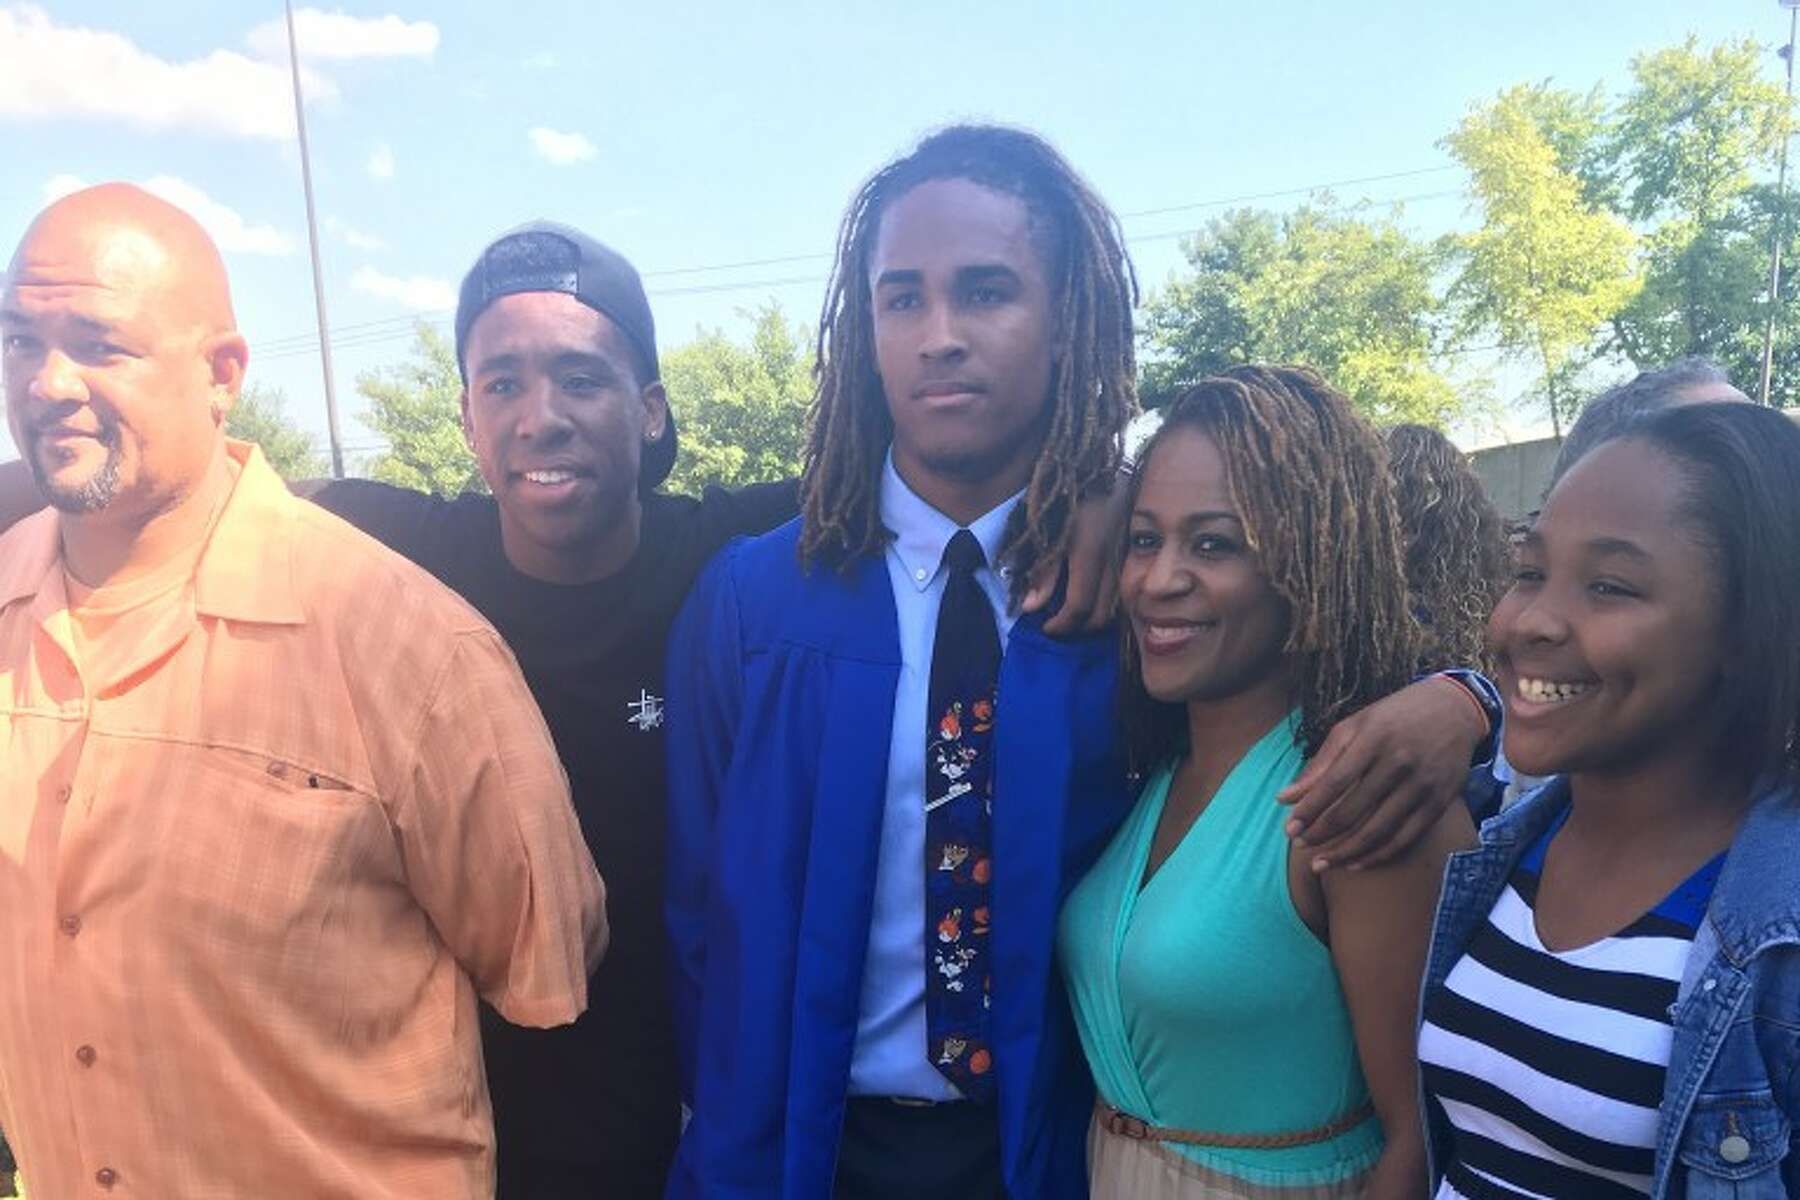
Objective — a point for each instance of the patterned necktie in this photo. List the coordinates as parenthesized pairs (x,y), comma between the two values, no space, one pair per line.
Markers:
(959,794)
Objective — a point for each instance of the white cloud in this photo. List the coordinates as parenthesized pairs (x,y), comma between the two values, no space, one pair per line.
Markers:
(58,186)
(231,231)
(353,237)
(60,71)
(543,60)
(381,162)
(225,224)
(338,36)
(420,292)
(561,149)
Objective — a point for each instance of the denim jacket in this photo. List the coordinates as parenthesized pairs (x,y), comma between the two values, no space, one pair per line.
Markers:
(1731,1103)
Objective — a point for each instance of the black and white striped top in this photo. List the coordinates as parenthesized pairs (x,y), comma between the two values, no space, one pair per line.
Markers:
(1550,1064)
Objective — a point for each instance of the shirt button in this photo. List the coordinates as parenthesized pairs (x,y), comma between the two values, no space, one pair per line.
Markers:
(1709,985)
(71,925)
(1734,1149)
(63,793)
(85,1056)
(106,1177)
(920,574)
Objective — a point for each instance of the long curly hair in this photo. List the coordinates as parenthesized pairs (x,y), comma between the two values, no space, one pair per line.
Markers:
(1310,481)
(1457,554)
(1093,391)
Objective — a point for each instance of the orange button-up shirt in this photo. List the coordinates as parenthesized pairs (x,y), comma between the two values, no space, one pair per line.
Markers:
(252,881)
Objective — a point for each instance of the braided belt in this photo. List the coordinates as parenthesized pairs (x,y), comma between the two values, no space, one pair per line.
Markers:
(1123,1124)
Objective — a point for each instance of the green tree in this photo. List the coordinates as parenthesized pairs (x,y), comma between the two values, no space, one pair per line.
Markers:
(416,408)
(260,416)
(1694,132)
(1337,290)
(1760,211)
(741,410)
(1578,127)
(1202,322)
(1548,266)
(1694,128)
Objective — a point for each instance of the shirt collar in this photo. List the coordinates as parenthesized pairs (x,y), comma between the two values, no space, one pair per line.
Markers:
(245,572)
(33,550)
(921,532)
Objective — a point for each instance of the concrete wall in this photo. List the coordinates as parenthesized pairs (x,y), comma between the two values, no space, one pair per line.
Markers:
(1515,476)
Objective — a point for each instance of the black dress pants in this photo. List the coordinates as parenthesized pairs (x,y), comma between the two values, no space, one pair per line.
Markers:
(545,1179)
(897,1151)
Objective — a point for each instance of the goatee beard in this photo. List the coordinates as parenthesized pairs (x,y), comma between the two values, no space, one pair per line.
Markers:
(98,491)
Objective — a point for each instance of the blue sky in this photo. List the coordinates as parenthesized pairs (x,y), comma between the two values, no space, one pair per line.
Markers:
(692,137)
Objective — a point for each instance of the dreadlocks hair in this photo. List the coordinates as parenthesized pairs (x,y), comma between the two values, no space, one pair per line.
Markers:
(1093,389)
(1457,555)
(1310,481)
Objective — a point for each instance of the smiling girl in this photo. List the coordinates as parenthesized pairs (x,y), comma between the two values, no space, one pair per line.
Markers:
(1612,1007)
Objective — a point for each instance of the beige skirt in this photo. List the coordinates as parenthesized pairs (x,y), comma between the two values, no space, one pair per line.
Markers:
(1123,1168)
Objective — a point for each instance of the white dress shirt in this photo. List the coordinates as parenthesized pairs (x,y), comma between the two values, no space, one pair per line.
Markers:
(890,1058)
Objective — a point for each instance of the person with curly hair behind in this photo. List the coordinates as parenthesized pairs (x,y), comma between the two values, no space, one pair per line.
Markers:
(1245,1017)
(1458,564)
(1456,554)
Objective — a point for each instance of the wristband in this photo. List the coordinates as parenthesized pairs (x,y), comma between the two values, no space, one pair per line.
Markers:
(1468,695)
(1486,697)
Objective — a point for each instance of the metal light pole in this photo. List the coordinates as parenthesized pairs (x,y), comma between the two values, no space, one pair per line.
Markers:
(1787,53)
(312,236)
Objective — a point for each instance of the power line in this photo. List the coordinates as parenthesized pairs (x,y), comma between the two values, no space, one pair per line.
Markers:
(1222,202)
(1139,239)
(670,272)
(382,446)
(309,340)
(1317,187)
(390,329)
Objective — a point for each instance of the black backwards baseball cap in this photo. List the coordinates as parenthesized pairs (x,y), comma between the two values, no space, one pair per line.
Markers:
(542,256)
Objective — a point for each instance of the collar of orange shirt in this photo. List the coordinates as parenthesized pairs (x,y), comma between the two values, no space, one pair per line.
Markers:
(246,571)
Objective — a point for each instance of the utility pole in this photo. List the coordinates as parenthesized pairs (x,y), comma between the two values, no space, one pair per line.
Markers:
(1787,52)
(312,236)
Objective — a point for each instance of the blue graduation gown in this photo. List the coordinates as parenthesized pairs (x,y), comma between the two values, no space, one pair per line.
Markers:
(781,690)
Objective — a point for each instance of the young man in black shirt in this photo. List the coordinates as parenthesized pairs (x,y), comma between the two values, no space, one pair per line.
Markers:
(581,564)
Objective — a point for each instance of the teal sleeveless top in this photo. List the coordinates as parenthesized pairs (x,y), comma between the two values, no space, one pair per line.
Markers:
(1202,999)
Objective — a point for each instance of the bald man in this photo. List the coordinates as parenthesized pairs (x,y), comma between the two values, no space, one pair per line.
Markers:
(275,806)
(1692,380)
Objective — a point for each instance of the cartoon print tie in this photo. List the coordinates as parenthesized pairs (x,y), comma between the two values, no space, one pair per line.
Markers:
(959,793)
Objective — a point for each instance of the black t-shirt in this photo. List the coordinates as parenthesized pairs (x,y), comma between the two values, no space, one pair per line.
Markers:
(603,1090)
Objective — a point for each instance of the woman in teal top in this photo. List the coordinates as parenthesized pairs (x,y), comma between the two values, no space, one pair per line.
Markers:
(1249,1022)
